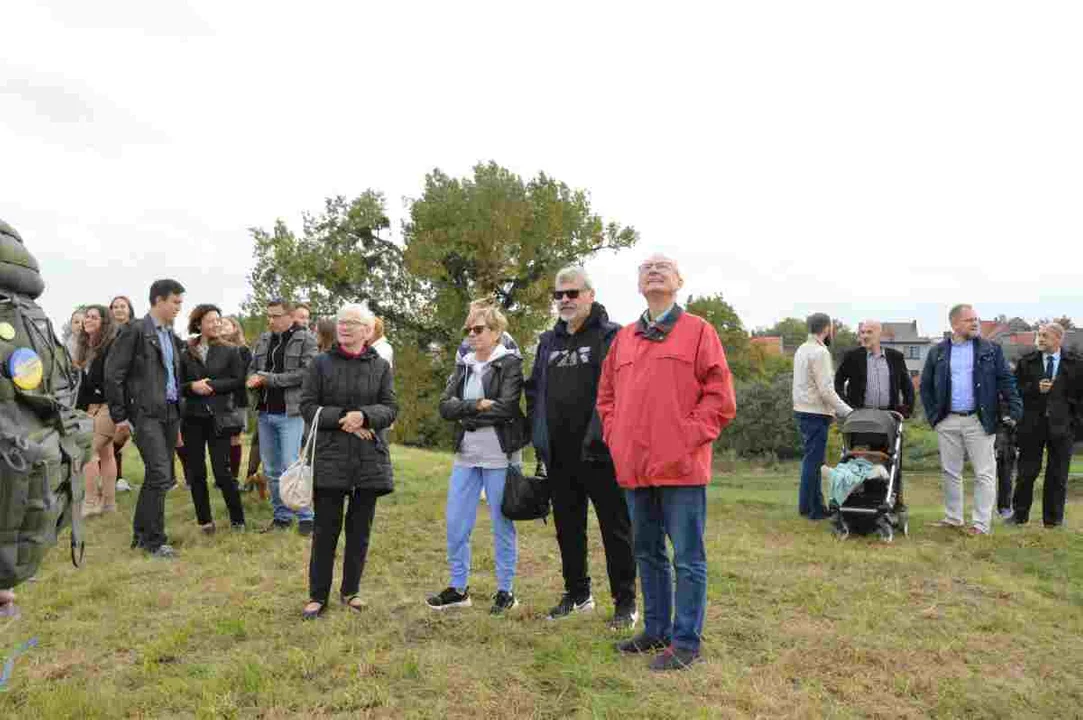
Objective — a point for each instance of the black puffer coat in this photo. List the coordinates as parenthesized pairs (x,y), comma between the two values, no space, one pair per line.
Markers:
(340,383)
(503,384)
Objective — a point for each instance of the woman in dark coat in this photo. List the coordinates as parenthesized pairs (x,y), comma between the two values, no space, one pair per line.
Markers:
(353,386)
(212,372)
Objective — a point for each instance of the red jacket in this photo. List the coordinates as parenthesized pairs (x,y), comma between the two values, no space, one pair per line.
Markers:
(663,399)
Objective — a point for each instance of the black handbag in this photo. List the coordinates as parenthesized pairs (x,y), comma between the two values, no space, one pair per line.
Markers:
(526,497)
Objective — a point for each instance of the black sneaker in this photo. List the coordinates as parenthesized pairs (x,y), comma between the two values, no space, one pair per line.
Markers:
(674,658)
(502,602)
(164,552)
(304,527)
(277,525)
(624,617)
(449,597)
(641,643)
(569,605)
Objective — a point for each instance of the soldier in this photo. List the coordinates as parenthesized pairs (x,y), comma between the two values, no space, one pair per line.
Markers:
(44,441)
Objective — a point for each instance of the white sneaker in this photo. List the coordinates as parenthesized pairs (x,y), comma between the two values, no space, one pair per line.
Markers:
(123,486)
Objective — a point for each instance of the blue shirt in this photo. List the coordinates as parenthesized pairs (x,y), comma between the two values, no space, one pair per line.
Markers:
(1056,361)
(962,376)
(165,338)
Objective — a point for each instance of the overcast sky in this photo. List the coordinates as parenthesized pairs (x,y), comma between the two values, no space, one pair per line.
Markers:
(864,158)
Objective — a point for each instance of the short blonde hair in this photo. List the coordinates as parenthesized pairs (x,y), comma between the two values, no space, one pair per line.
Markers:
(488,312)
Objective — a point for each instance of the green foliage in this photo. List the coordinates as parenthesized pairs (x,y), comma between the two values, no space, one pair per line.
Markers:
(487,235)
(793,332)
(342,256)
(492,235)
(764,425)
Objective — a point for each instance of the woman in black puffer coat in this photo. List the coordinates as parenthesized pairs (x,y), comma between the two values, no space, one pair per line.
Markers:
(353,385)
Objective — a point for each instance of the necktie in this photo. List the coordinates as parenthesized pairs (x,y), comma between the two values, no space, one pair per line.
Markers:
(1049,367)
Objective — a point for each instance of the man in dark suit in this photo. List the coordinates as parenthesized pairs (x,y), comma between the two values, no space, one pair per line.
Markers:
(143,389)
(1050,380)
(872,376)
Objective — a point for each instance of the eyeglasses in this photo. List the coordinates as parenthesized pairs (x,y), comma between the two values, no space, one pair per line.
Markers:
(659,266)
(272,316)
(474,330)
(351,323)
(570,294)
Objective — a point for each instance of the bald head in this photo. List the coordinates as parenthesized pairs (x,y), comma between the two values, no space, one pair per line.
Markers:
(660,277)
(869,332)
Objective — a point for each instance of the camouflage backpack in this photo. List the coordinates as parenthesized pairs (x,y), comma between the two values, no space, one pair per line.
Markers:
(44,441)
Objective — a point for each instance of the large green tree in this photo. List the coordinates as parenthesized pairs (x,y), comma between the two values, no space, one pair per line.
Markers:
(343,254)
(494,235)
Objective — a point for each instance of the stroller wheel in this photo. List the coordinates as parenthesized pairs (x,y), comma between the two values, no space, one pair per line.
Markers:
(839,528)
(906,528)
(884,530)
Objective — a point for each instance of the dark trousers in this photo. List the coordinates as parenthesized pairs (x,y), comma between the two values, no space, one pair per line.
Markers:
(253,453)
(1006,456)
(328,505)
(1054,494)
(572,483)
(155,439)
(199,437)
(810,497)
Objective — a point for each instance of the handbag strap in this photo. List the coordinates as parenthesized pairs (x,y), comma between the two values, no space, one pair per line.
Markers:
(309,452)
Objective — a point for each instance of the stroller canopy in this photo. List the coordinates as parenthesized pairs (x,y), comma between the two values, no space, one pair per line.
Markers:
(873,422)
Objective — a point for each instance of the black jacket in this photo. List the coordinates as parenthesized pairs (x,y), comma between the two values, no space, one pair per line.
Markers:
(850,379)
(135,376)
(504,385)
(563,387)
(224,369)
(92,382)
(340,383)
(1062,405)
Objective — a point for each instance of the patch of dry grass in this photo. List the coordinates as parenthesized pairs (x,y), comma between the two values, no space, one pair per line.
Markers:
(798,624)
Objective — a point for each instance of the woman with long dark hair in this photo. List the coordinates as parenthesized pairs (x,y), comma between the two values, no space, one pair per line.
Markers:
(92,345)
(212,372)
(123,313)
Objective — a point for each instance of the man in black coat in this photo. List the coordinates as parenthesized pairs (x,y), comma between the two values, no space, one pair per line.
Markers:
(872,376)
(1050,381)
(567,436)
(143,388)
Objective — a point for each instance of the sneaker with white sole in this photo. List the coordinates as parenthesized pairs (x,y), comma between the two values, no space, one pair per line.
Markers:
(624,617)
(449,597)
(123,486)
(569,605)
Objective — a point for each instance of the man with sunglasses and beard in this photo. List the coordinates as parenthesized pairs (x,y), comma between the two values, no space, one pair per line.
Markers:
(567,436)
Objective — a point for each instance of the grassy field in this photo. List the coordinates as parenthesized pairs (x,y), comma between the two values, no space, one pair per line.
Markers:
(799,625)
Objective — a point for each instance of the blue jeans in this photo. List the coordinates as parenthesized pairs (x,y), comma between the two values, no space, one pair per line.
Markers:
(463,494)
(681,514)
(810,498)
(280,438)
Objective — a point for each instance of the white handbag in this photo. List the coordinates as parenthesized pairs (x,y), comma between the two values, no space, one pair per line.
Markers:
(295,485)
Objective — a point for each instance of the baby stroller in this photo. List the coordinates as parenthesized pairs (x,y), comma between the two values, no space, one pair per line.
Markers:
(876,436)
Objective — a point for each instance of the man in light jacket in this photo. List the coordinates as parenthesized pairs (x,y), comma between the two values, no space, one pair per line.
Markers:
(815,404)
(664,396)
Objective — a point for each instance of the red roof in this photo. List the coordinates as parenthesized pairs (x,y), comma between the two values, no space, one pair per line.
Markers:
(770,343)
(991,329)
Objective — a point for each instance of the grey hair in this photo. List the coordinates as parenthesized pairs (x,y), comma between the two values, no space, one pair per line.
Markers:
(957,310)
(361,309)
(574,272)
(1056,328)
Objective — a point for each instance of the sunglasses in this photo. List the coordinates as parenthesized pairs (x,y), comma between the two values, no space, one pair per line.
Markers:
(475,330)
(570,294)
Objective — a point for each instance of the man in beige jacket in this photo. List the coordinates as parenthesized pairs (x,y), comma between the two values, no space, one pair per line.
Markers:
(815,404)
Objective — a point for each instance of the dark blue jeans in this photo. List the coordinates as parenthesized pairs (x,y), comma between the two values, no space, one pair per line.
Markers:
(810,499)
(679,513)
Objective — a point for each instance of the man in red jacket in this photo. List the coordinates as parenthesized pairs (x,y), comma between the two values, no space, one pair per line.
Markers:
(665,394)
